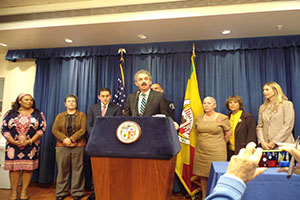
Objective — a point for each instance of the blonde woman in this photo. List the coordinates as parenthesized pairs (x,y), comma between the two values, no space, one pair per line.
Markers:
(276,118)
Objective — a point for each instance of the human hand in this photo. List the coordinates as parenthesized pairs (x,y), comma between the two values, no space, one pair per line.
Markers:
(265,146)
(226,138)
(72,144)
(25,143)
(271,145)
(176,125)
(291,148)
(17,143)
(67,141)
(245,164)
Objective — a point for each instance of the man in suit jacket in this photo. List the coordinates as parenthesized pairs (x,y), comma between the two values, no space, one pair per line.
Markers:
(104,108)
(145,102)
(171,108)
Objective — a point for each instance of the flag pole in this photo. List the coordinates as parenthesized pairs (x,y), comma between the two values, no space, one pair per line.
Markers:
(192,108)
(194,50)
(122,51)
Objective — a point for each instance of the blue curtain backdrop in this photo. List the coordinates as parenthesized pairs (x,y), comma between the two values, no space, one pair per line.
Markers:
(223,67)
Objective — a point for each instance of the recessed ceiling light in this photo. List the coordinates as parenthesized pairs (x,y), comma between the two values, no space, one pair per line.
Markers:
(3,44)
(68,40)
(226,32)
(142,36)
(279,27)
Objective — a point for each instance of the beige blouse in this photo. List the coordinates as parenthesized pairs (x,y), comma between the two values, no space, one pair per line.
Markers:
(276,126)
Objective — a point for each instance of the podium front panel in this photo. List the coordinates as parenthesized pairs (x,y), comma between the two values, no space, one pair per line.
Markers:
(158,140)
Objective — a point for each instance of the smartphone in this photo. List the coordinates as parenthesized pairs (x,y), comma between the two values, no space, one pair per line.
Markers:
(275,158)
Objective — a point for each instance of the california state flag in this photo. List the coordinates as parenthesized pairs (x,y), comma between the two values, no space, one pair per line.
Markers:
(192,107)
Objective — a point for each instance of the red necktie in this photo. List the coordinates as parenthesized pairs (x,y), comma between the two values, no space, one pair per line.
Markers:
(103,110)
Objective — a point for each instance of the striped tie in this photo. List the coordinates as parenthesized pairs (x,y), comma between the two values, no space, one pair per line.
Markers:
(143,104)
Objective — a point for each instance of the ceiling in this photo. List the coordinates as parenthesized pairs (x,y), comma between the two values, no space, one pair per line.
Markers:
(46,23)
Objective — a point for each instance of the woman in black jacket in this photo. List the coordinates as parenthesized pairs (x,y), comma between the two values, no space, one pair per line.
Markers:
(243,126)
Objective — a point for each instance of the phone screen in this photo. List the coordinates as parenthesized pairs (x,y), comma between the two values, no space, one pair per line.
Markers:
(275,158)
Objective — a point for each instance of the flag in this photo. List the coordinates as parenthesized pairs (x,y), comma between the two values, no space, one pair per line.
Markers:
(192,107)
(120,97)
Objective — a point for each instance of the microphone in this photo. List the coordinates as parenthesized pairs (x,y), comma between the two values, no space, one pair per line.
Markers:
(135,111)
(137,95)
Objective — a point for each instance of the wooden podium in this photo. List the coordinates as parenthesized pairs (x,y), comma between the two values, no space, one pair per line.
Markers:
(143,170)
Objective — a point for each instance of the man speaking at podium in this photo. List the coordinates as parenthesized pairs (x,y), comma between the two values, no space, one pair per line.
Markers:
(145,102)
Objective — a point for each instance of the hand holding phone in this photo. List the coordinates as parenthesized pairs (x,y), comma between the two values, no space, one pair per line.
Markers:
(295,152)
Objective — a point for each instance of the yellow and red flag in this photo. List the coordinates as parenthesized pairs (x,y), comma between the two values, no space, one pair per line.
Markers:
(120,96)
(192,107)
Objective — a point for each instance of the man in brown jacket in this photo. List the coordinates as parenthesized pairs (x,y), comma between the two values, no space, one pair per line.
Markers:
(69,128)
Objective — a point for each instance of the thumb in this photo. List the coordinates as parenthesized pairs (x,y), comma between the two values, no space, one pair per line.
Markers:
(296,170)
(259,171)
(283,169)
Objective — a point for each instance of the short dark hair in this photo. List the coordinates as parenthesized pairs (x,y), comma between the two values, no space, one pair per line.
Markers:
(235,98)
(71,96)
(104,89)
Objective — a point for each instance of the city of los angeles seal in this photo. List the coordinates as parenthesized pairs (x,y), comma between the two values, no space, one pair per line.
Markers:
(128,132)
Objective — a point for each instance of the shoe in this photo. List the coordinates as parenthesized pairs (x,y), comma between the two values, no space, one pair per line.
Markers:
(77,197)
(91,197)
(24,198)
(13,196)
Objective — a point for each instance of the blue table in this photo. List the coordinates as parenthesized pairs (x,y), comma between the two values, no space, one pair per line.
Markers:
(269,185)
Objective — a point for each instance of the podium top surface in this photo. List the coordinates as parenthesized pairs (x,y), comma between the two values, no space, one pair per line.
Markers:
(158,140)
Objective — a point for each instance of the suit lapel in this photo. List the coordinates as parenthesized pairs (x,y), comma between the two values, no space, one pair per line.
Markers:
(98,110)
(108,110)
(239,124)
(135,104)
(148,102)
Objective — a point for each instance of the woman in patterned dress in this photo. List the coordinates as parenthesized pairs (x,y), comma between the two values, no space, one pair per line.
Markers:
(22,127)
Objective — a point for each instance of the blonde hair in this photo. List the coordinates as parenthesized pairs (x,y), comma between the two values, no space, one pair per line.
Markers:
(279,96)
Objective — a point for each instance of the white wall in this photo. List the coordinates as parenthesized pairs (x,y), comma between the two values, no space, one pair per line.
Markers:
(19,78)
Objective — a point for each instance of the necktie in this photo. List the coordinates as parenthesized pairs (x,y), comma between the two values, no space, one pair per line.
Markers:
(103,110)
(143,104)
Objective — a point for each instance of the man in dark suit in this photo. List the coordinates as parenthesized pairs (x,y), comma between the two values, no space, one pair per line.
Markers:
(104,108)
(145,102)
(171,108)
